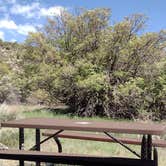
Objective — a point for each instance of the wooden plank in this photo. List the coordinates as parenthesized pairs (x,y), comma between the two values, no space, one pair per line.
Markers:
(100,137)
(72,159)
(96,126)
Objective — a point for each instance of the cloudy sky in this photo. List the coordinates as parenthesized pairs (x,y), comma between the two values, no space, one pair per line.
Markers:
(18,17)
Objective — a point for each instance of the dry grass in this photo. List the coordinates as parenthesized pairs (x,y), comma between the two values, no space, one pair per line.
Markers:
(23,108)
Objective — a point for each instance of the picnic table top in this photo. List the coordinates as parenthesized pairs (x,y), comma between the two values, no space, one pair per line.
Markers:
(87,125)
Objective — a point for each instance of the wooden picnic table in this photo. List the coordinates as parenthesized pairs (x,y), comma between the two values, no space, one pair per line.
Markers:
(87,125)
(107,127)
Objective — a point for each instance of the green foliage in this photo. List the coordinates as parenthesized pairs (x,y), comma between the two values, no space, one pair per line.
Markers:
(96,68)
(8,66)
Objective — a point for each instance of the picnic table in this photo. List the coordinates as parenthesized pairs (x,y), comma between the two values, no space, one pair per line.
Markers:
(107,127)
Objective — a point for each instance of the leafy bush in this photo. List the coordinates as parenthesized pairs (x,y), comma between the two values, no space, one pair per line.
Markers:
(94,67)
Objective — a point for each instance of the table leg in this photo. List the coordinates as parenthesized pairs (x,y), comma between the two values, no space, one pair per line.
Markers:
(38,143)
(122,144)
(155,156)
(144,148)
(21,143)
(149,147)
(56,139)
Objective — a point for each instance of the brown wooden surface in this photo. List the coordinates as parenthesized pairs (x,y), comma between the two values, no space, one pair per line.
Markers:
(84,125)
(101,137)
(72,158)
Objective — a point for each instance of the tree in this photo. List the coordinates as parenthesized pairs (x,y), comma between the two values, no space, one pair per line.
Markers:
(96,68)
(8,66)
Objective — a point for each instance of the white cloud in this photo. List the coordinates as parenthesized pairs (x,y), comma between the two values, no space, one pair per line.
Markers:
(28,11)
(52,11)
(23,29)
(2,35)
(8,24)
(13,40)
(11,1)
(34,10)
(3,9)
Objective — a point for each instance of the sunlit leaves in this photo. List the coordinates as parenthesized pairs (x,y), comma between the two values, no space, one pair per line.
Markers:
(97,67)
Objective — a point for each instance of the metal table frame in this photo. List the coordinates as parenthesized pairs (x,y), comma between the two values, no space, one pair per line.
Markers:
(105,127)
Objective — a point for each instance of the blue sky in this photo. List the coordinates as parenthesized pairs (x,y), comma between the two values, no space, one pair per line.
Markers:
(18,17)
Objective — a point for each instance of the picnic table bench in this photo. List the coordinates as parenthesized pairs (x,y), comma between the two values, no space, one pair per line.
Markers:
(61,158)
(61,125)
(97,137)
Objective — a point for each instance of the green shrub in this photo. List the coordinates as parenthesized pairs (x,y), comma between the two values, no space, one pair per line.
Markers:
(95,67)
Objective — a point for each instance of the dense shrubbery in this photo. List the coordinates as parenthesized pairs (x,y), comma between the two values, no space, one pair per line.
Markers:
(8,68)
(96,68)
